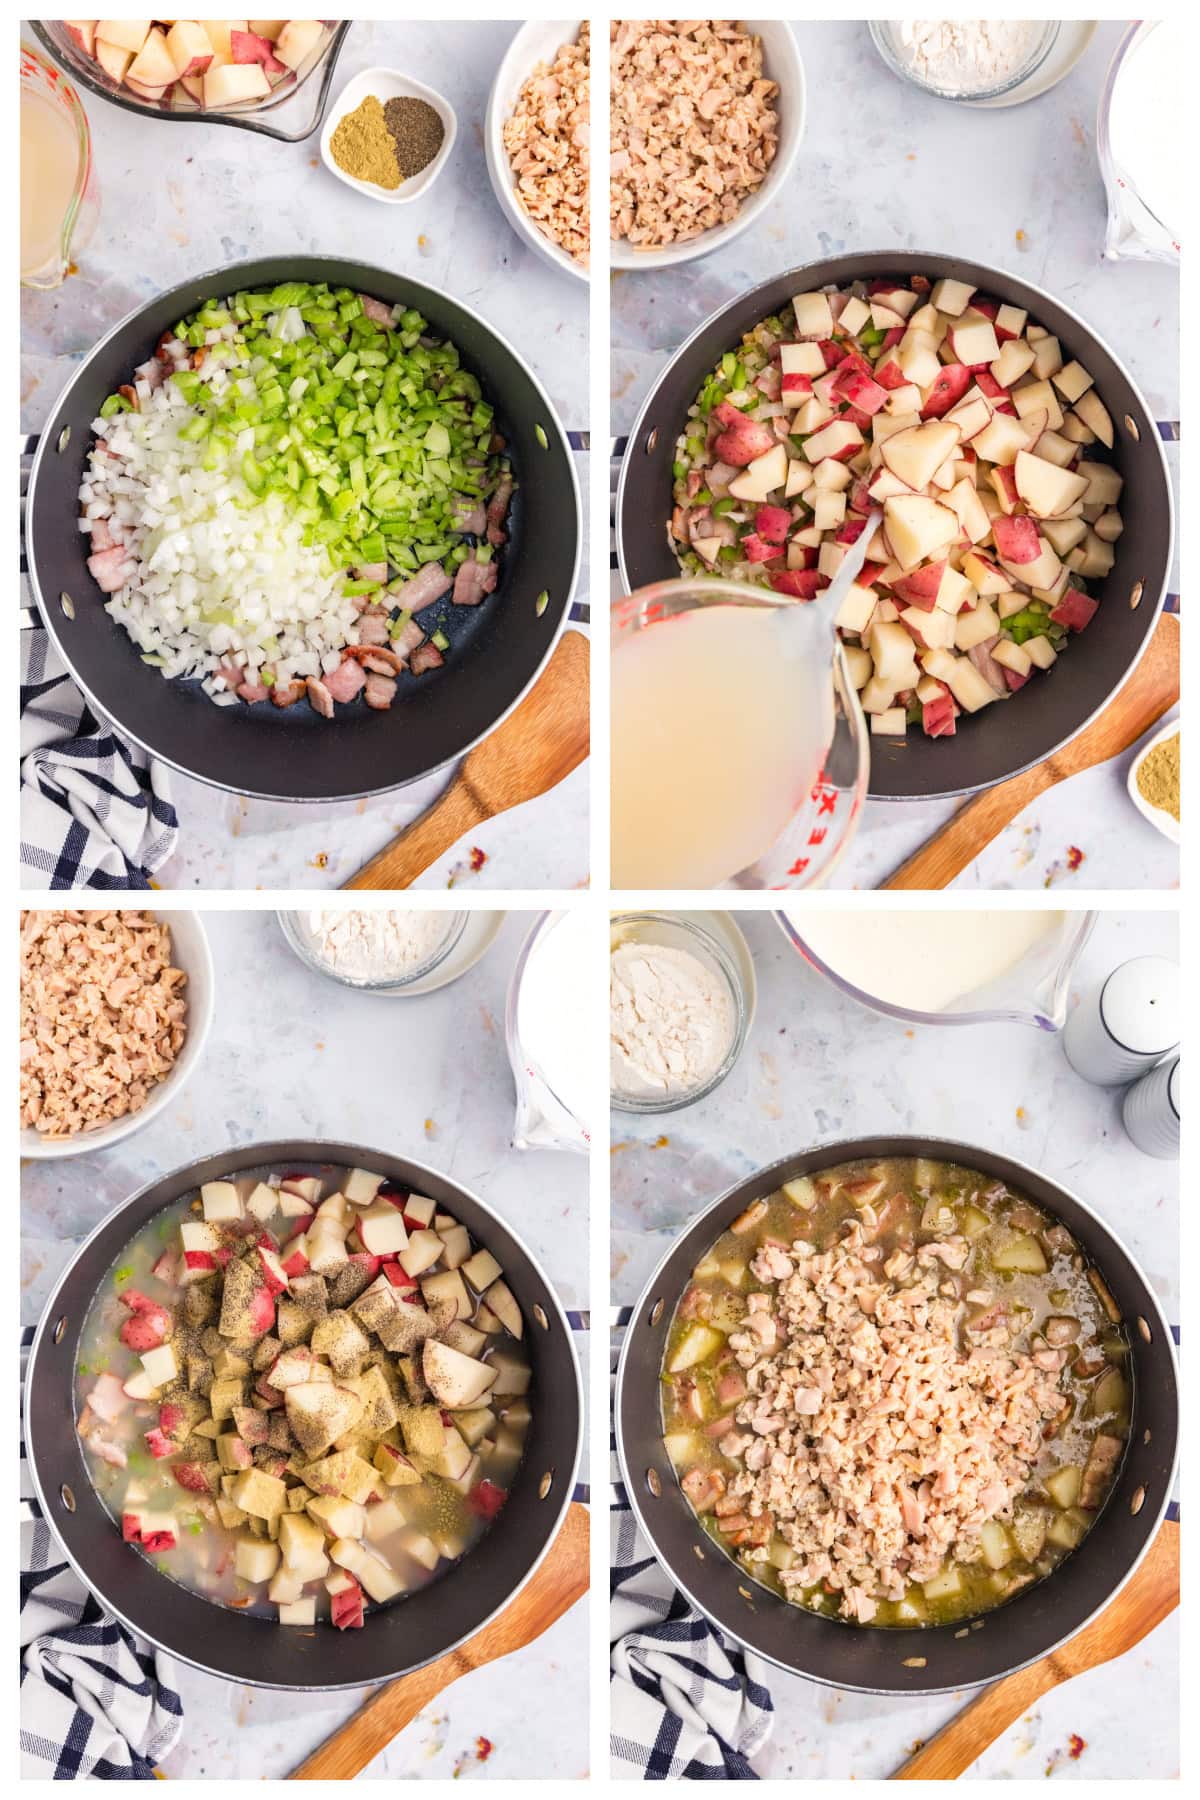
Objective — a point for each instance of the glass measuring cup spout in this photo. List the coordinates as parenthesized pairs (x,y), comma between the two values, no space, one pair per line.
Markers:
(1033,990)
(740,754)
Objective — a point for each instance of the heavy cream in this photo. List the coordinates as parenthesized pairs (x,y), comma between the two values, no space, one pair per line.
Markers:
(923,961)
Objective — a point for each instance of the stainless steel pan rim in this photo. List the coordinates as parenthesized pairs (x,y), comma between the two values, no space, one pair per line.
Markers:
(213,280)
(824,1153)
(281,1151)
(901,258)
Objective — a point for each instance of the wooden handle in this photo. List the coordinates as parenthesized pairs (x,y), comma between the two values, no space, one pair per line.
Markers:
(971,830)
(946,1756)
(552,1591)
(416,849)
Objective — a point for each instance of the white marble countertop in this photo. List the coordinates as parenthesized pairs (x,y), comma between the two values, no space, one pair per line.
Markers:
(882,164)
(175,200)
(817,1066)
(430,1077)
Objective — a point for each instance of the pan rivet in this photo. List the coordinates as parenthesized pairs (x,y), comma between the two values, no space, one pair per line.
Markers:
(60,1328)
(651,440)
(67,1497)
(67,604)
(653,1483)
(1146,1435)
(540,1315)
(1144,1330)
(915,1662)
(1135,595)
(64,438)
(539,432)
(545,1484)
(656,1312)
(1131,428)
(976,1624)
(1137,1500)
(745,1593)
(699,1554)
(963,1633)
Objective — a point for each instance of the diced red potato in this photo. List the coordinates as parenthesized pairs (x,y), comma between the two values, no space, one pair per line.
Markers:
(957,423)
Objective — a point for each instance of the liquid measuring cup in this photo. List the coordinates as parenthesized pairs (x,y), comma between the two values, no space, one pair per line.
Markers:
(1032,991)
(827,807)
(59,197)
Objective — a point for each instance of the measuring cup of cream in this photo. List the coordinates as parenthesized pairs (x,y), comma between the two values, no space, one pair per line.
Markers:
(965,967)
(739,752)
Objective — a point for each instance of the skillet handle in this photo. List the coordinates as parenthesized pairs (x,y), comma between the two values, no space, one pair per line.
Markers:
(973,827)
(451,817)
(561,1580)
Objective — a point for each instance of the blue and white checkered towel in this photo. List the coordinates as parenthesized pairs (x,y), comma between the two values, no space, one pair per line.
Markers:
(686,1702)
(96,1702)
(94,811)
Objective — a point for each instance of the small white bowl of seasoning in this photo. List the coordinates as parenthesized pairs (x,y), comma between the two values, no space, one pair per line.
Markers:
(386,85)
(680,1009)
(396,954)
(1153,781)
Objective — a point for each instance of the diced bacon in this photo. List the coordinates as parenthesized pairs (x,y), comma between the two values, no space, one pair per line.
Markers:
(703,1488)
(346,682)
(428,656)
(377,571)
(497,510)
(110,569)
(100,537)
(108,1399)
(319,697)
(380,692)
(378,312)
(470,515)
(286,693)
(473,580)
(422,589)
(253,691)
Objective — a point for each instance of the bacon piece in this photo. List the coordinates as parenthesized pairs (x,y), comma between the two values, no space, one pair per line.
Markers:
(428,656)
(319,697)
(497,511)
(346,682)
(378,312)
(380,692)
(110,569)
(422,589)
(286,693)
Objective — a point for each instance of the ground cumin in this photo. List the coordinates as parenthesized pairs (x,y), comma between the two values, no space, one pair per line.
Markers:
(1158,777)
(362,145)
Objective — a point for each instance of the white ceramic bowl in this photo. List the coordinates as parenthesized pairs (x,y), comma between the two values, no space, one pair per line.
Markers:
(190,952)
(781,63)
(390,84)
(539,41)
(1162,821)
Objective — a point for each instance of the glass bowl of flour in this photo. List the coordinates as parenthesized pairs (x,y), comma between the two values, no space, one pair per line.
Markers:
(679,1011)
(379,951)
(965,59)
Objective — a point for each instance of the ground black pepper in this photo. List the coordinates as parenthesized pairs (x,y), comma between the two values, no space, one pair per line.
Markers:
(417,132)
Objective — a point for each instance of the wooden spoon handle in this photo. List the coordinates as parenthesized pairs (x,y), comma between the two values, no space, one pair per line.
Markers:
(946,1756)
(347,1753)
(971,830)
(416,849)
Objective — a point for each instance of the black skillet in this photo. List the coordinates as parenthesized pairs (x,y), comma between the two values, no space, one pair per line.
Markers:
(936,1658)
(497,648)
(1001,740)
(395,1639)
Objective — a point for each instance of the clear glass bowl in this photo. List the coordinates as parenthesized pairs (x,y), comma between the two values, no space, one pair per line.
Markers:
(295,929)
(885,34)
(816,838)
(1034,992)
(684,934)
(270,117)
(42,79)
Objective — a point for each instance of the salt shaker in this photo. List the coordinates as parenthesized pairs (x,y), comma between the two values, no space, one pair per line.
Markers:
(1150,1111)
(1127,1024)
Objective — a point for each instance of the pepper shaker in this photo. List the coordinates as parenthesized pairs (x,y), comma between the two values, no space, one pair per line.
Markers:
(1127,1024)
(1150,1111)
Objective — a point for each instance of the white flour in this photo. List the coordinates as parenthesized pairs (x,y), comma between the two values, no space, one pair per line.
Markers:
(965,56)
(373,946)
(671,1020)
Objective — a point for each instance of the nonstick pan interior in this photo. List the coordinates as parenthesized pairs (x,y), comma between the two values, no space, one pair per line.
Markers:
(936,1658)
(1003,739)
(497,649)
(395,1639)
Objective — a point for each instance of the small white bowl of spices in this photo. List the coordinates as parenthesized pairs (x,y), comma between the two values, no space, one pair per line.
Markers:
(680,1008)
(388,136)
(1154,780)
